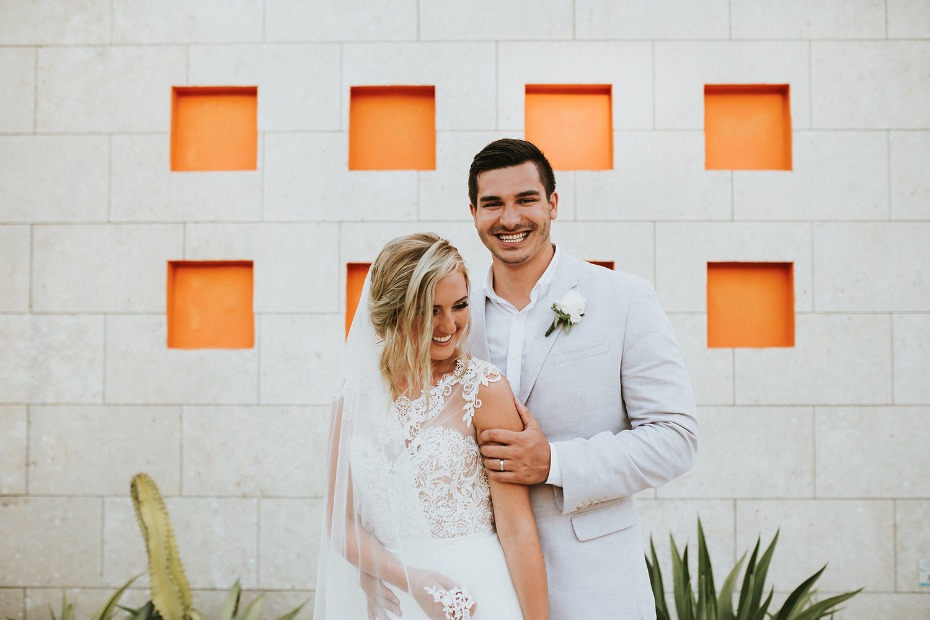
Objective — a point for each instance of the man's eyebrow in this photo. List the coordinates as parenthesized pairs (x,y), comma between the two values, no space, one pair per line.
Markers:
(529,192)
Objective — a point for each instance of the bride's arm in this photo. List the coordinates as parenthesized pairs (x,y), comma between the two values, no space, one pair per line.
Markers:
(513,512)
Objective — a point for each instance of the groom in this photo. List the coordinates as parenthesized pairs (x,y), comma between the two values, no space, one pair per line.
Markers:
(612,406)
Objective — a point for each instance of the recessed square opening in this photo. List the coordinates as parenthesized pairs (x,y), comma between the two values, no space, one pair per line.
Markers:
(214,128)
(355,280)
(571,124)
(750,305)
(210,305)
(609,264)
(747,127)
(392,128)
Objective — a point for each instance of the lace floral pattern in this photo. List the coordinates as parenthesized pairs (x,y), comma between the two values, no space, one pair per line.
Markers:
(435,486)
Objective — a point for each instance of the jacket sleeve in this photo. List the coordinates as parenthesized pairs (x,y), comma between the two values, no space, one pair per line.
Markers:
(661,441)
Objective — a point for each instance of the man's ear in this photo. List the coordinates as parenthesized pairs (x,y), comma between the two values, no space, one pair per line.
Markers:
(554,205)
(473,210)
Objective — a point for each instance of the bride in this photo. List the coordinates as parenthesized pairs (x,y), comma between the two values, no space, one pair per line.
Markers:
(408,505)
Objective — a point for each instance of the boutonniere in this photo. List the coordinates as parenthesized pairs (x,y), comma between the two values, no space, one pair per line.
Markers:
(568,311)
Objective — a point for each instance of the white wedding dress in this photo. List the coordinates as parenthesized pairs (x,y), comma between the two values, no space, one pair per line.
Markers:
(429,501)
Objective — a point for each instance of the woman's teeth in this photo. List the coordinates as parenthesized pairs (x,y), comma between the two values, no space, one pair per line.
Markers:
(443,340)
(515,238)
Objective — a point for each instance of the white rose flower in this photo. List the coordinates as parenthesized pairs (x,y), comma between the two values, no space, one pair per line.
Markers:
(568,311)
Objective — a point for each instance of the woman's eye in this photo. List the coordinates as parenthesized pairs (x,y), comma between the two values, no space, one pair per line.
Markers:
(461,306)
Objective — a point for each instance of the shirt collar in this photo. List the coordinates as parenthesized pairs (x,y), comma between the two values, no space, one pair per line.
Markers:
(540,289)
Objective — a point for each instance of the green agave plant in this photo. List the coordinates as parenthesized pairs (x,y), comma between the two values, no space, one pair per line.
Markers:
(707,604)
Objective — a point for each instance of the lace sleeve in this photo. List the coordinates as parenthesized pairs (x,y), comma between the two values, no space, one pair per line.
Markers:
(477,373)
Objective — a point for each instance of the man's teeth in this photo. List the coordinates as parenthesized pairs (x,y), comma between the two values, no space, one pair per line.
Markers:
(515,238)
(443,340)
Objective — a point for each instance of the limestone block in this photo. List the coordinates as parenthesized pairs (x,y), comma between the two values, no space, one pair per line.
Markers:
(177,21)
(913,541)
(683,251)
(42,22)
(837,359)
(351,20)
(14,268)
(255,451)
(871,605)
(300,358)
(97,450)
(217,541)
(12,602)
(462,101)
(103,268)
(817,532)
(911,358)
(57,540)
(751,452)
(295,266)
(144,189)
(710,370)
(51,359)
(910,184)
(835,176)
(108,89)
(13,439)
(53,178)
(679,518)
(487,20)
(307,179)
(140,369)
(871,452)
(289,543)
(628,245)
(443,193)
(870,85)
(908,19)
(796,19)
(872,267)
(682,69)
(17,98)
(626,66)
(360,243)
(658,176)
(298,85)
(670,19)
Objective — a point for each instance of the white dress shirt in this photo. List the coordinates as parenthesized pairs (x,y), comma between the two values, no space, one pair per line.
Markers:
(509,331)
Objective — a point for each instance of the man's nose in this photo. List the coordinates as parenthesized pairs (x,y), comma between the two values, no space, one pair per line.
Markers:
(509,216)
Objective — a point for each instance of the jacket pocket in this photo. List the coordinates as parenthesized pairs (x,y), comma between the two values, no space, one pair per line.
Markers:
(572,355)
(605,519)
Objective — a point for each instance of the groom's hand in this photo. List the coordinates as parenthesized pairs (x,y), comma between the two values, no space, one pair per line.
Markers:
(525,453)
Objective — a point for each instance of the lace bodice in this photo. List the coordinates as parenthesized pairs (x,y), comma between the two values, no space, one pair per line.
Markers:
(435,486)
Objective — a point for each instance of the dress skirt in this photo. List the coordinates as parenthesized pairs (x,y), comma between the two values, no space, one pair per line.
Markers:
(477,562)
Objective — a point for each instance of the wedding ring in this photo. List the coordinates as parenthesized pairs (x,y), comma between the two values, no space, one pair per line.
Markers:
(502,464)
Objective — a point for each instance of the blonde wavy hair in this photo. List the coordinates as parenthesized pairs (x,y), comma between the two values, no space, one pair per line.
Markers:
(400,305)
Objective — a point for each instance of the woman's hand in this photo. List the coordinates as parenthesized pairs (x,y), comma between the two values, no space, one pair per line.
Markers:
(451,600)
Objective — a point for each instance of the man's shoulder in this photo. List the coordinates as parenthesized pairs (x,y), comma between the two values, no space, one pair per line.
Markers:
(604,280)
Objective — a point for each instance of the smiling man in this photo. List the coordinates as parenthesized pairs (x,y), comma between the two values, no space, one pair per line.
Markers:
(591,354)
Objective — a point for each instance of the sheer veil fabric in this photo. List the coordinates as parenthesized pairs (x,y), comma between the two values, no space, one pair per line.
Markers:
(407,500)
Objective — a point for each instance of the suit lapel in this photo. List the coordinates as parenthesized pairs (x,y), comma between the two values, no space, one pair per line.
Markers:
(541,345)
(479,334)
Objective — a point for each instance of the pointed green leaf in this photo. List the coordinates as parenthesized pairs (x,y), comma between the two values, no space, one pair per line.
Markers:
(254,608)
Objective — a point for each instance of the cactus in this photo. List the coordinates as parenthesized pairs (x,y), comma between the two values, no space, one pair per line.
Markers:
(171,594)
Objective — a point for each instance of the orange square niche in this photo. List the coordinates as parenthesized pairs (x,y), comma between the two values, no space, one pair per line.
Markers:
(355,281)
(608,264)
(750,305)
(392,128)
(747,127)
(214,128)
(210,305)
(571,124)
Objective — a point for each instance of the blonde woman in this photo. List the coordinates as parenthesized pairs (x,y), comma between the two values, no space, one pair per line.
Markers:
(410,512)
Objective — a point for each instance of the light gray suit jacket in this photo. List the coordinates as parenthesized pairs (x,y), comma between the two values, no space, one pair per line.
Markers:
(614,397)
